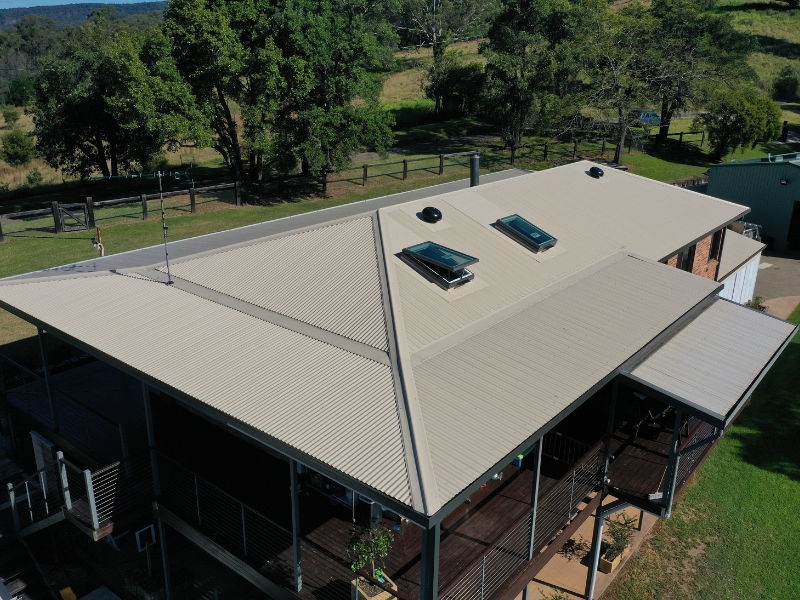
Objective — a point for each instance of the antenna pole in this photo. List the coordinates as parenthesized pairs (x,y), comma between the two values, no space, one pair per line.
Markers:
(164,227)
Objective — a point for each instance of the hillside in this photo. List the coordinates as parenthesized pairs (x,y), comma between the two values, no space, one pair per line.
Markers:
(74,14)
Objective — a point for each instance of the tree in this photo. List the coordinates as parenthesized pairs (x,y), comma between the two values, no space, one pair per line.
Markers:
(226,51)
(437,23)
(693,47)
(453,84)
(331,107)
(18,147)
(369,545)
(530,56)
(10,115)
(737,118)
(111,100)
(21,91)
(620,57)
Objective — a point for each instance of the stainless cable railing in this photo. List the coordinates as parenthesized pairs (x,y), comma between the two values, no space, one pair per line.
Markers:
(563,448)
(558,507)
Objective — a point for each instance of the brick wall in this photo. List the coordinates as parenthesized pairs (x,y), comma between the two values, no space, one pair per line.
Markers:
(702,266)
(673,261)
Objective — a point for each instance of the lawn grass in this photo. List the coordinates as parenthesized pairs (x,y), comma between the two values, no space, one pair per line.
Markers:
(777,27)
(734,533)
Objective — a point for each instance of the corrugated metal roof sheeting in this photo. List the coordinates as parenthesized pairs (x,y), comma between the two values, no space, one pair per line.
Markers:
(713,360)
(486,395)
(331,404)
(327,277)
(736,250)
(592,219)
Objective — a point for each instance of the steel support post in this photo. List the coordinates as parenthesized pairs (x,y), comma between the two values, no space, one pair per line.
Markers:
(601,512)
(298,574)
(46,367)
(429,579)
(12,500)
(87,476)
(162,533)
(534,500)
(610,431)
(151,439)
(672,468)
(62,473)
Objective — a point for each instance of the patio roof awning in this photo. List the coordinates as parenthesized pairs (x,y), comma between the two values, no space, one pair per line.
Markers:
(710,368)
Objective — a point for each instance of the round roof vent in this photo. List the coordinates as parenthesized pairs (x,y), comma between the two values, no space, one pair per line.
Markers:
(431,214)
(596,172)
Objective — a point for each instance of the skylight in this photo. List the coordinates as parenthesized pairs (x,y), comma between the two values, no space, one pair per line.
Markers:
(526,232)
(445,266)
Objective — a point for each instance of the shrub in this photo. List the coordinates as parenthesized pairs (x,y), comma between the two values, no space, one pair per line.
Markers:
(11,115)
(620,532)
(787,83)
(21,91)
(34,177)
(18,147)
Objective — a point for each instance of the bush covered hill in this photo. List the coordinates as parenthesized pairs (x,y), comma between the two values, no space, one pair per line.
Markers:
(73,14)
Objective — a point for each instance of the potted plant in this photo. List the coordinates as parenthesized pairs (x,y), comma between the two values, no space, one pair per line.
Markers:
(369,545)
(620,534)
(141,586)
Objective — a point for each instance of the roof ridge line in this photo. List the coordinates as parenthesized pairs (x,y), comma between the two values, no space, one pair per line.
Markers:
(422,479)
(268,316)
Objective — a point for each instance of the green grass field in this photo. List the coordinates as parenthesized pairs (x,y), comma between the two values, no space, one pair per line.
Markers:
(734,533)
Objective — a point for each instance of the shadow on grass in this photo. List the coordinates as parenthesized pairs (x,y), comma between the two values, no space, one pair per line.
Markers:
(779,46)
(748,6)
(768,429)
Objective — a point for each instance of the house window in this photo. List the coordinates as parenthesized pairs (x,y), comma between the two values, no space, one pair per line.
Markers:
(686,261)
(716,245)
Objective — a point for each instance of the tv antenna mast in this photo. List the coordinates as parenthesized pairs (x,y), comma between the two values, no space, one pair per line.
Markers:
(164,227)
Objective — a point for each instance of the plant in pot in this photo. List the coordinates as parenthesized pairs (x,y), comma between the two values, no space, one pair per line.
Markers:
(142,586)
(620,534)
(368,545)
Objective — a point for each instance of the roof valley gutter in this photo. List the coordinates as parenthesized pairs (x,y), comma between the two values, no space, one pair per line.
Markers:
(222,419)
(417,434)
(412,468)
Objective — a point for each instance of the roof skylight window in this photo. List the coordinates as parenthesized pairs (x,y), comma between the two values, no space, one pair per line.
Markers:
(445,266)
(526,233)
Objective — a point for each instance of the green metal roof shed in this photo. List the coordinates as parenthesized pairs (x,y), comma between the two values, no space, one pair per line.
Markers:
(770,186)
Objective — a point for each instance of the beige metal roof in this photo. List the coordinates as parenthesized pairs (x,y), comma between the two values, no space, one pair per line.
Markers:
(327,277)
(313,396)
(736,251)
(592,219)
(484,396)
(714,360)
(463,377)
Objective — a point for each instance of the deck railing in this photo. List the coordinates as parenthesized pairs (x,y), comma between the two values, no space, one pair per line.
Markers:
(689,461)
(563,448)
(235,526)
(36,498)
(80,425)
(555,509)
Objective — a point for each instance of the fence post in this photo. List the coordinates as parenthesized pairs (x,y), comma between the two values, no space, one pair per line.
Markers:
(144,207)
(90,211)
(87,476)
(680,139)
(603,149)
(544,158)
(703,139)
(192,200)
(12,500)
(237,193)
(574,148)
(62,472)
(630,144)
(364,176)
(56,216)
(405,176)
(441,164)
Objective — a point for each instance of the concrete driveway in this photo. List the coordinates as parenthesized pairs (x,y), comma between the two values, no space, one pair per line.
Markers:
(778,282)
